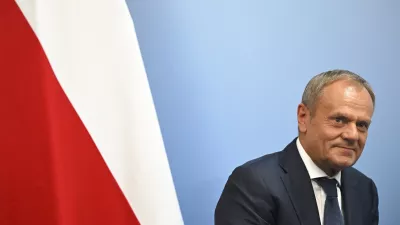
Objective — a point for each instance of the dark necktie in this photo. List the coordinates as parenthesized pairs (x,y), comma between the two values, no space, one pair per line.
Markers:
(332,213)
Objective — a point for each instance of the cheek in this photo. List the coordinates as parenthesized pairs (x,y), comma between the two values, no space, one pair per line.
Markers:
(329,134)
(361,145)
(362,140)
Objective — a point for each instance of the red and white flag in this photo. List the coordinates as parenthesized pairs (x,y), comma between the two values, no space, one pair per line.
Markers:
(79,136)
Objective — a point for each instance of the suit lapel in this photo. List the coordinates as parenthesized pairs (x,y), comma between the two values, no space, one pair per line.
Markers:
(298,185)
(351,199)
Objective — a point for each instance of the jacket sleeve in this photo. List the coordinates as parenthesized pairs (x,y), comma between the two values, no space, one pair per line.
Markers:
(245,200)
(375,204)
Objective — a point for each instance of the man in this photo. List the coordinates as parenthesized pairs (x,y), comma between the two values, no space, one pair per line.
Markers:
(311,181)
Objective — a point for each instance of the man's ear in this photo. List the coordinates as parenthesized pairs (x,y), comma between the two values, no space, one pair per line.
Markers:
(303,115)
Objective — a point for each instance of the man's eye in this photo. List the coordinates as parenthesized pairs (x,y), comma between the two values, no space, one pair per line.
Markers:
(363,125)
(340,119)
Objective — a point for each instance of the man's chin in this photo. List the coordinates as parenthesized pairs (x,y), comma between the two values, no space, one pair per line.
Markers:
(344,162)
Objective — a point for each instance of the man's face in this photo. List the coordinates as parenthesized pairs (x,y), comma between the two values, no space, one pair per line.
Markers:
(335,132)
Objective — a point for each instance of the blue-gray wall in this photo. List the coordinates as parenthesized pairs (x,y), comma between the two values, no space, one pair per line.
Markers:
(227,76)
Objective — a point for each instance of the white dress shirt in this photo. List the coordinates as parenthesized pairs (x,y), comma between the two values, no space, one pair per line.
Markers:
(315,172)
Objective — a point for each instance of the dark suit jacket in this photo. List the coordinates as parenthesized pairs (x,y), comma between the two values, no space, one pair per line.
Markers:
(276,190)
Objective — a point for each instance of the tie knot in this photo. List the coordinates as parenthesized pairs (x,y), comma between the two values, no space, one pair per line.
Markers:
(329,186)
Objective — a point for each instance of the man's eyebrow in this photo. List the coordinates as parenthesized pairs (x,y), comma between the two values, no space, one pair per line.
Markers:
(339,114)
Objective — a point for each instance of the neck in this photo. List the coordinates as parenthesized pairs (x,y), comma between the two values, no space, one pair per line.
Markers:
(328,170)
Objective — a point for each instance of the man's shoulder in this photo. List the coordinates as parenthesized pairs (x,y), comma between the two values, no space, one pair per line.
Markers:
(356,174)
(267,166)
(270,161)
(358,177)
(260,168)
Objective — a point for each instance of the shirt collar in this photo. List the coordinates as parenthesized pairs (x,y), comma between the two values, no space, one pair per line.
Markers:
(313,170)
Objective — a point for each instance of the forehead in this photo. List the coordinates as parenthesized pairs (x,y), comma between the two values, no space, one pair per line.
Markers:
(347,97)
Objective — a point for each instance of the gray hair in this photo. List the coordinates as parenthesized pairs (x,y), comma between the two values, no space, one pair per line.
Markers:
(315,86)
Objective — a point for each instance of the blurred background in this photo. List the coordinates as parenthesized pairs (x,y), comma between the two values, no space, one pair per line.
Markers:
(226,78)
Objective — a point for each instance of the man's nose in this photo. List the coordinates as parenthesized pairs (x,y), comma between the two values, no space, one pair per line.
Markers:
(351,133)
